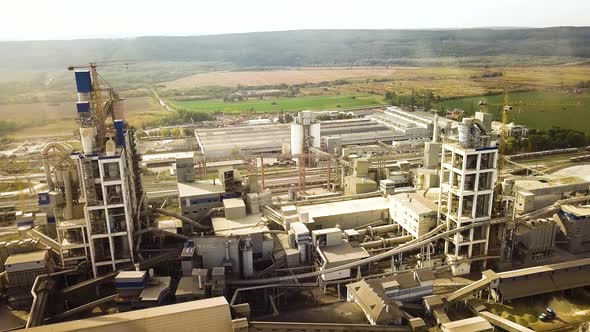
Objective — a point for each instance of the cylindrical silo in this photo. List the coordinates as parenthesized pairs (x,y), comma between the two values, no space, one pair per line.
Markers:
(296,139)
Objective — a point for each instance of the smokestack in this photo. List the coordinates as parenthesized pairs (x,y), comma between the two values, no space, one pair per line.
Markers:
(435,130)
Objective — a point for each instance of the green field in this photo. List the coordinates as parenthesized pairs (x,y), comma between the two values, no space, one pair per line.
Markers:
(538,109)
(282,104)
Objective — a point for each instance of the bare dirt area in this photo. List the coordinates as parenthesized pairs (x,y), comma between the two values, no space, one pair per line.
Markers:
(288,76)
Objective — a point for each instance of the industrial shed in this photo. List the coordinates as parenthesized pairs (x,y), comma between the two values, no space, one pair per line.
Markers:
(541,279)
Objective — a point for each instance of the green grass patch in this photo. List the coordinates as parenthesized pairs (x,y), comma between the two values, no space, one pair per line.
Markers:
(537,109)
(282,104)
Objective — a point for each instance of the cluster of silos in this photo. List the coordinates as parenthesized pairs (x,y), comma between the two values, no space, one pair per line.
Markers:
(305,132)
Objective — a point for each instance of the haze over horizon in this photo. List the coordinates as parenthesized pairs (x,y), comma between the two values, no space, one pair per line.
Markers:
(68,19)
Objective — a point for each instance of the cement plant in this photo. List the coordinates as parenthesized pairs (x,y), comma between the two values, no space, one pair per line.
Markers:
(385,219)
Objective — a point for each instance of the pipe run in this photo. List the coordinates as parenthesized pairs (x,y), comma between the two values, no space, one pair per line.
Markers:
(387,242)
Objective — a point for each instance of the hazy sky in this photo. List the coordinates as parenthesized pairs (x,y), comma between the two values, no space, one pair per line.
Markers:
(69,19)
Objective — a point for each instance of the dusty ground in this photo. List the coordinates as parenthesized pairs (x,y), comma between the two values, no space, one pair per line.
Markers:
(572,308)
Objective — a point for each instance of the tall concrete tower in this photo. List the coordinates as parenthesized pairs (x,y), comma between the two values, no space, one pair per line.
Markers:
(468,176)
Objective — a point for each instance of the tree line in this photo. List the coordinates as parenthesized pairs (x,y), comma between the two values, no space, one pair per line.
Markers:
(547,139)
(415,99)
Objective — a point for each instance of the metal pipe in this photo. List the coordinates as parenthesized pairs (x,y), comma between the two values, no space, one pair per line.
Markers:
(378,229)
(387,242)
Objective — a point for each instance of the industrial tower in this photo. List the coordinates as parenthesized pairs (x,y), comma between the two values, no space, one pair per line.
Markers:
(468,176)
(109,173)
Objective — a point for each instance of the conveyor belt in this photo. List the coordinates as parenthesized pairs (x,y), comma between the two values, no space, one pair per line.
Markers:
(44,239)
(81,308)
(94,281)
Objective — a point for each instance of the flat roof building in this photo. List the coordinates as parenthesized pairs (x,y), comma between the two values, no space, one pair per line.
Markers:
(414,213)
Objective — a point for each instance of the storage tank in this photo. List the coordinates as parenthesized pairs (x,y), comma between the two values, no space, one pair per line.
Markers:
(87,138)
(296,139)
(463,135)
(465,132)
(110,147)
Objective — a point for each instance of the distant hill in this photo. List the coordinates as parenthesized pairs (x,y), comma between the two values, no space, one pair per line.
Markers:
(304,47)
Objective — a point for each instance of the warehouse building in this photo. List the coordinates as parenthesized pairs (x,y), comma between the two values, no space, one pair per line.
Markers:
(387,126)
(537,280)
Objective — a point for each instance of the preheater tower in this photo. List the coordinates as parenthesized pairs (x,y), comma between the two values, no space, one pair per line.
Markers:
(109,173)
(468,176)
